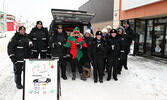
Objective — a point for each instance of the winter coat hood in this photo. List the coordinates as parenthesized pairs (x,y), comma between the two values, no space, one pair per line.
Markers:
(122,28)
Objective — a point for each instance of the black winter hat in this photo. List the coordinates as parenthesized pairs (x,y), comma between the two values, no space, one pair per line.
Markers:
(113,31)
(39,22)
(59,26)
(99,33)
(22,28)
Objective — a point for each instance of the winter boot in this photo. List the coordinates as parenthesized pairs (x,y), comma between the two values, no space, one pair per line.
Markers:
(108,79)
(101,81)
(126,68)
(19,86)
(95,81)
(73,76)
(82,77)
(115,79)
(64,77)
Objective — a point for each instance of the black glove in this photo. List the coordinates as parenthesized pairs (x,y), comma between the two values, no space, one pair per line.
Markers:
(79,46)
(122,56)
(13,59)
(101,47)
(55,45)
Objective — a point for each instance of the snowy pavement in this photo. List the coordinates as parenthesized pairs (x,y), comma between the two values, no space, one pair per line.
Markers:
(145,80)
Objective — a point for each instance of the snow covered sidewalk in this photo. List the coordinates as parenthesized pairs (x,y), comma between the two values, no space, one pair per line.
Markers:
(145,80)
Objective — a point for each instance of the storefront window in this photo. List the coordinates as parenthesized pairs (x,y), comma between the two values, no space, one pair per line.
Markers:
(166,43)
(149,36)
(162,20)
(140,31)
(132,23)
(158,40)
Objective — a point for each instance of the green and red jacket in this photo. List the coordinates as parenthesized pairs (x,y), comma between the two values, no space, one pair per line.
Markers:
(72,44)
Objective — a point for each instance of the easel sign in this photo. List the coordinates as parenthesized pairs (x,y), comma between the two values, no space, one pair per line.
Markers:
(41,80)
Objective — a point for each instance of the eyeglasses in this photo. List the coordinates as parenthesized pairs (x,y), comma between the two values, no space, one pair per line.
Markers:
(60,28)
(76,33)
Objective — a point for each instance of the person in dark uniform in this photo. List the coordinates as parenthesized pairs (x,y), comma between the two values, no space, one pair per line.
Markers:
(113,54)
(39,37)
(18,50)
(105,37)
(129,33)
(123,49)
(57,45)
(96,56)
(86,62)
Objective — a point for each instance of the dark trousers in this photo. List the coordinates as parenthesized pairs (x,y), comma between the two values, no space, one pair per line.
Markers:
(76,64)
(17,72)
(63,63)
(105,64)
(36,54)
(98,67)
(125,61)
(112,64)
(120,65)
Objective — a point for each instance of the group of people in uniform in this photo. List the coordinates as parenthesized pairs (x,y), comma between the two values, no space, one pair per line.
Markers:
(107,51)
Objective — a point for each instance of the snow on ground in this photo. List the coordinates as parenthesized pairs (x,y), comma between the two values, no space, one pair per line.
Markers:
(145,80)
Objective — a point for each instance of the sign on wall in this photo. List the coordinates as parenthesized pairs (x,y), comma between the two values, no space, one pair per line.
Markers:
(41,80)
(130,4)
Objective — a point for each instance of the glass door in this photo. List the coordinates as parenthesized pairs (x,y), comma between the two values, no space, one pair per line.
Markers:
(140,30)
(158,38)
(149,36)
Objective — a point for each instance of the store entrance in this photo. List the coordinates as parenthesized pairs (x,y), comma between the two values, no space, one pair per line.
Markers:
(140,37)
(159,45)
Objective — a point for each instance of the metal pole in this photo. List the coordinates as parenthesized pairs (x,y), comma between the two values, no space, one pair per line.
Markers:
(4,16)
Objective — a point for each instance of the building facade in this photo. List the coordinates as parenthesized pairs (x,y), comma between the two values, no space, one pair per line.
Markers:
(149,21)
(103,10)
(11,23)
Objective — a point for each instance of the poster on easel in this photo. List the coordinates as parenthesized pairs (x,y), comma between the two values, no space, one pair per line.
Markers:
(41,80)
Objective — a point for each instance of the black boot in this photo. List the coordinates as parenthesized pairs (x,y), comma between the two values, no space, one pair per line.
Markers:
(73,76)
(18,81)
(95,81)
(108,79)
(126,67)
(64,77)
(115,79)
(82,77)
(101,81)
(19,86)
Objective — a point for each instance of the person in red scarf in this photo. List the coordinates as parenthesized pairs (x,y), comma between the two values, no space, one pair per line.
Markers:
(76,43)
